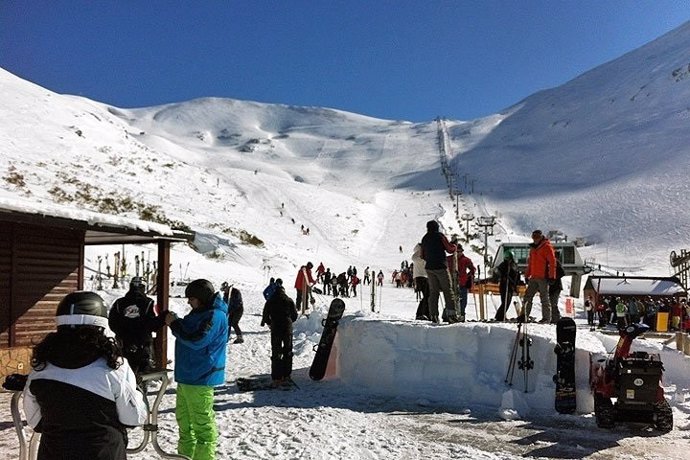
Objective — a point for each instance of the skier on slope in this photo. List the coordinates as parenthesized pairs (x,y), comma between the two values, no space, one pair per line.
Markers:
(81,394)
(367,279)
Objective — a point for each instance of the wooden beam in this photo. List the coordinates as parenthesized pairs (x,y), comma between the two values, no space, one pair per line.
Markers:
(162,298)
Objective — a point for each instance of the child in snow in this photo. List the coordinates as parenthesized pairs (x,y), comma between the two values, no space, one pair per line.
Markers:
(81,393)
(201,336)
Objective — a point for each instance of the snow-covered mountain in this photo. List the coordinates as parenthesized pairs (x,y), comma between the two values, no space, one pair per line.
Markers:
(602,156)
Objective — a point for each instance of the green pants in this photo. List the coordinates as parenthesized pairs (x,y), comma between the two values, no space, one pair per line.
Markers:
(196,421)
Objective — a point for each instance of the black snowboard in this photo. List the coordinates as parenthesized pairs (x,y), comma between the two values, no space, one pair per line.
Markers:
(259,383)
(323,349)
(564,379)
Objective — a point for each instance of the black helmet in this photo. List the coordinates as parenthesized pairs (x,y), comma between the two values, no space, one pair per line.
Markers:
(137,284)
(201,289)
(82,308)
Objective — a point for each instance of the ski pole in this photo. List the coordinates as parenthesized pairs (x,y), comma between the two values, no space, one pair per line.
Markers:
(513,357)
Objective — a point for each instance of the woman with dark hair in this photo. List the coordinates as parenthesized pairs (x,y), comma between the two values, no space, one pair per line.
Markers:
(81,394)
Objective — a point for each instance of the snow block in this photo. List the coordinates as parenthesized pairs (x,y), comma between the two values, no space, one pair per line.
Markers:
(465,363)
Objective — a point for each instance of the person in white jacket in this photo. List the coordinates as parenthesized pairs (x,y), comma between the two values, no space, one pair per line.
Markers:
(81,393)
(420,283)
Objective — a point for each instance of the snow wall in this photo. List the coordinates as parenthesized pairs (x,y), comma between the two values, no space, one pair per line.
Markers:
(465,362)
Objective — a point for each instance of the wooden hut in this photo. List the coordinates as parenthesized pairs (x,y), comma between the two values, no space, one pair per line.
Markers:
(633,286)
(42,259)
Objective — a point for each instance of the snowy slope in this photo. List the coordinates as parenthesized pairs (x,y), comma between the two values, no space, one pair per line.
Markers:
(603,156)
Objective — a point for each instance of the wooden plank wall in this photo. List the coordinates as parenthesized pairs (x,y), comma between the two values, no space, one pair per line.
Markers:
(45,266)
(5,282)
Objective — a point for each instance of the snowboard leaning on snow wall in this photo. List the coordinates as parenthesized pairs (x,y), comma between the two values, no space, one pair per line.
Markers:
(323,349)
(564,379)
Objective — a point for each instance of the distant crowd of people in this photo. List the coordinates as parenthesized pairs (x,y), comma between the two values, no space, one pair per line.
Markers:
(625,310)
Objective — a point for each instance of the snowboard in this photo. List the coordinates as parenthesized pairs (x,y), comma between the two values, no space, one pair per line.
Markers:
(262,383)
(564,379)
(323,349)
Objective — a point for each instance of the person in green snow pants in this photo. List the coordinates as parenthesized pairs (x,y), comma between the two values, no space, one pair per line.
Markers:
(196,421)
(201,339)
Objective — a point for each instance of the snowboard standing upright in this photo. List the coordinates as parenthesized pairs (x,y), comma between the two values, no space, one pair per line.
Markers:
(564,379)
(323,349)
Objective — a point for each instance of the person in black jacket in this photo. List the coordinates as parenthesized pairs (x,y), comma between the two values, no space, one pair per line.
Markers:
(508,277)
(133,319)
(434,248)
(555,288)
(279,314)
(233,298)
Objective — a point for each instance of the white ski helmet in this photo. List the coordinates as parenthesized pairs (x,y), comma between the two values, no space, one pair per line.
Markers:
(82,308)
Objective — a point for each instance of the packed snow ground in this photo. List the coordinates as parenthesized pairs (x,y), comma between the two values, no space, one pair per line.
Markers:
(365,188)
(388,404)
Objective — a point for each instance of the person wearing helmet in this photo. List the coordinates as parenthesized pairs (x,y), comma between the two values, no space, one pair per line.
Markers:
(133,320)
(201,338)
(81,394)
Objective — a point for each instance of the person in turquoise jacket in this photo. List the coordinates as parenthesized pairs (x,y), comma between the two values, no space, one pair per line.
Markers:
(201,338)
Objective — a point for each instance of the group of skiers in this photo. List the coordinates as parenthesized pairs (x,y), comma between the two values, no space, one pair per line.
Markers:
(345,283)
(435,273)
(85,387)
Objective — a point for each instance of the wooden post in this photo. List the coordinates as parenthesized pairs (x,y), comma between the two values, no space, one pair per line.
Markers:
(160,344)
(482,300)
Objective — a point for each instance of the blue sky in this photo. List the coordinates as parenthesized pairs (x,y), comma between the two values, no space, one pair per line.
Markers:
(408,60)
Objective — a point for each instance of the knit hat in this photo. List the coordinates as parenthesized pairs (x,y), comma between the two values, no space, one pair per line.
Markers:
(432,226)
(201,289)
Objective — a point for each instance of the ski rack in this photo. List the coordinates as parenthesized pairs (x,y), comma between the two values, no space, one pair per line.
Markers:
(151,427)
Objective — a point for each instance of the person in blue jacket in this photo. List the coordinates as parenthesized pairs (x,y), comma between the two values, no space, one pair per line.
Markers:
(201,338)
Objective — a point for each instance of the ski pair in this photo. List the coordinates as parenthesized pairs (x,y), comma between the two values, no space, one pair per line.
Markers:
(522,343)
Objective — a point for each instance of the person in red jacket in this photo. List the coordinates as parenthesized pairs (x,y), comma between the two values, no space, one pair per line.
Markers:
(540,273)
(303,284)
(465,273)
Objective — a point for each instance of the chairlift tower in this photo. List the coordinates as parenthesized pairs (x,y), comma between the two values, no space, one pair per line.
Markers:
(681,263)
(487,224)
(467,217)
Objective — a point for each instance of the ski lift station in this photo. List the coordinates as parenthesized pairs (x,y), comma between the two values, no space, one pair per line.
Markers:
(566,252)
